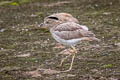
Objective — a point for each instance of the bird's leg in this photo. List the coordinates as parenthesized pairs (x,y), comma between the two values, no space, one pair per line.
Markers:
(64,59)
(75,51)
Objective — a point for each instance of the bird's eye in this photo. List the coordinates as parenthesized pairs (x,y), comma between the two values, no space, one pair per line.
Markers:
(55,18)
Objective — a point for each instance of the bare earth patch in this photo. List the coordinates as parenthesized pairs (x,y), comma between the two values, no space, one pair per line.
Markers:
(23,55)
(57,3)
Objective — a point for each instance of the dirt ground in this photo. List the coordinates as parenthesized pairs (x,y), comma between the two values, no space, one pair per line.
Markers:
(30,53)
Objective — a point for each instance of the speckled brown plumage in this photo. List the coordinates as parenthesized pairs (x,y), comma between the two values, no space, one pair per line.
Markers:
(66,30)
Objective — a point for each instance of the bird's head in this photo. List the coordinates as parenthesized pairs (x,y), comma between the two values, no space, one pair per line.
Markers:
(56,19)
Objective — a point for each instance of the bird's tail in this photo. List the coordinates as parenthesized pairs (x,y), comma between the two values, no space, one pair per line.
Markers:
(91,39)
(94,39)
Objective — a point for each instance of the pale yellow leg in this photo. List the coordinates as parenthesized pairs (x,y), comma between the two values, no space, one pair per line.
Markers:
(75,51)
(64,59)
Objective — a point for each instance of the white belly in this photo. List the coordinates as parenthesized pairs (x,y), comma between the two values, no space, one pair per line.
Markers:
(71,42)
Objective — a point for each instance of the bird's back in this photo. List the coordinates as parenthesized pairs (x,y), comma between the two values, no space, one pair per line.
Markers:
(71,33)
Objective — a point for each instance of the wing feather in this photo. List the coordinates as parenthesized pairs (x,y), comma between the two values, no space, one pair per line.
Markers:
(71,30)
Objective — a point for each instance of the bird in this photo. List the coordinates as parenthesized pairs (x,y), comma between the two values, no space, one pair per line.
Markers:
(66,30)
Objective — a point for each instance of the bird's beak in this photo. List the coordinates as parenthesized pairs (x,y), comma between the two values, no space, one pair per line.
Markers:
(42,26)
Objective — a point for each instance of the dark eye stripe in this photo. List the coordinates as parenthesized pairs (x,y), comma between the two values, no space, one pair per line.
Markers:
(53,18)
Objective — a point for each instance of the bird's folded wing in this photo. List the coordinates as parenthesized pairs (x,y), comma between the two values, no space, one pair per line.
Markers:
(71,30)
